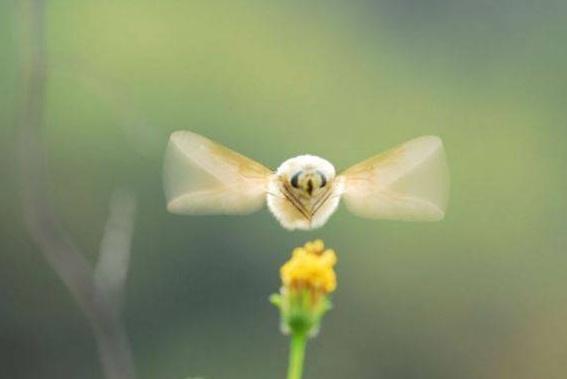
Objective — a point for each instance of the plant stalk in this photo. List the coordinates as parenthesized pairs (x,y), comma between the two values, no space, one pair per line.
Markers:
(296,355)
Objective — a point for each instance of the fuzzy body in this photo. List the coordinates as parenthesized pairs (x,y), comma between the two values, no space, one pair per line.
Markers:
(304,192)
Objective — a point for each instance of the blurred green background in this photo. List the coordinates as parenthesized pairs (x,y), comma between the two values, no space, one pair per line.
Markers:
(480,295)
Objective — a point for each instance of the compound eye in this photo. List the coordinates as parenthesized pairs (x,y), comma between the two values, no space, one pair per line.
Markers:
(323,179)
(295,180)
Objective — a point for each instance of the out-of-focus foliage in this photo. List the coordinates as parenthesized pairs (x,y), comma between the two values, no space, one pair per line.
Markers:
(479,295)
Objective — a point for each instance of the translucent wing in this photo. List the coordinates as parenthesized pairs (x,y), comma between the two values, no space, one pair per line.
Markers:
(409,182)
(202,177)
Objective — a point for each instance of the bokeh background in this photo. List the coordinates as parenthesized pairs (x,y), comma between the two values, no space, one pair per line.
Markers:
(480,295)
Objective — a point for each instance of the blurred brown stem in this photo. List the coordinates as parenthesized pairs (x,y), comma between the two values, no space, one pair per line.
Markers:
(97,293)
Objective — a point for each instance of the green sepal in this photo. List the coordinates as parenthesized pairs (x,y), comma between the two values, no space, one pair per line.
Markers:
(276,299)
(300,312)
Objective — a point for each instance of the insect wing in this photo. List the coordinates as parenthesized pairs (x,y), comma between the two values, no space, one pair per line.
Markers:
(203,177)
(409,182)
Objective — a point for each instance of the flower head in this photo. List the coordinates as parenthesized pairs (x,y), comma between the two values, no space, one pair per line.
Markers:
(307,280)
(311,267)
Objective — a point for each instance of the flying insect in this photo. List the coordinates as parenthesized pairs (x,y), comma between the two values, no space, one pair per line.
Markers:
(409,182)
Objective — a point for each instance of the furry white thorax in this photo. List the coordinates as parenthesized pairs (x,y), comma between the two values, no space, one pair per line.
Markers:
(306,162)
(320,206)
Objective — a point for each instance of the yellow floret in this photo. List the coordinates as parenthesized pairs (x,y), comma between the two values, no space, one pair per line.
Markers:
(315,247)
(311,267)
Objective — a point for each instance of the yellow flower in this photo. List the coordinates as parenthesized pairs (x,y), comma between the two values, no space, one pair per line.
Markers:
(311,267)
(308,278)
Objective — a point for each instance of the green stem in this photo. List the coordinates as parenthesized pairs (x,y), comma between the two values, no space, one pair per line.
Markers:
(296,355)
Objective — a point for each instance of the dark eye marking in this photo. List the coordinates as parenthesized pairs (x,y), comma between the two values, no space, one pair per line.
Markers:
(295,180)
(323,179)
